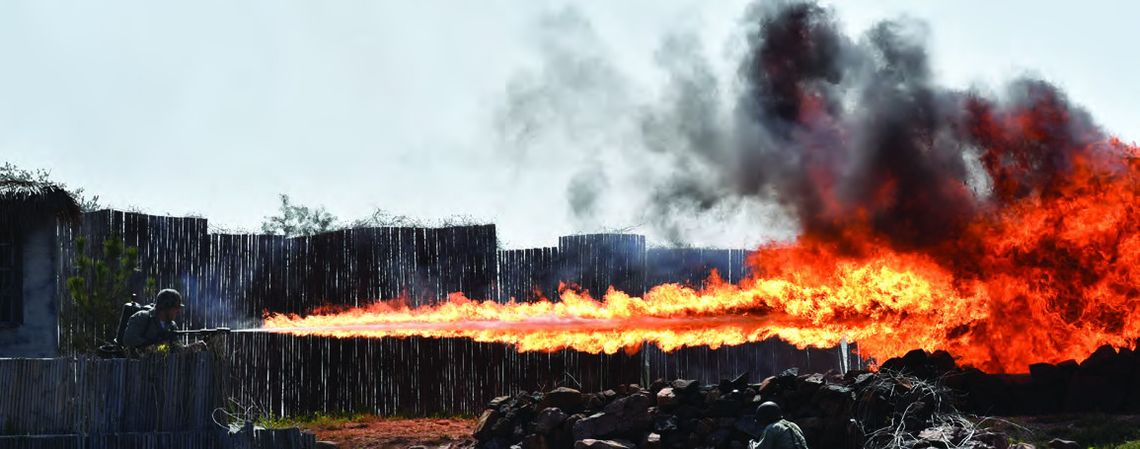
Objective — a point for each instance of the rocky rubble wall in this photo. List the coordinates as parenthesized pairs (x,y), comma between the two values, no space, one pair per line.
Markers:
(919,400)
(1108,381)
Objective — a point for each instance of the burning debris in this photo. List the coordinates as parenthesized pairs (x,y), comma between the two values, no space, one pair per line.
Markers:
(1014,209)
(997,228)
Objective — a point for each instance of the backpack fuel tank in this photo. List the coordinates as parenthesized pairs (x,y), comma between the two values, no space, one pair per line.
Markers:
(129,309)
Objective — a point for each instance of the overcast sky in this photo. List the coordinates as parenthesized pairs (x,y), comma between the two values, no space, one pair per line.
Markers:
(215,107)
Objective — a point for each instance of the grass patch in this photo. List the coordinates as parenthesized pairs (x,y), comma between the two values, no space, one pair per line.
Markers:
(1096,430)
(1101,432)
(324,421)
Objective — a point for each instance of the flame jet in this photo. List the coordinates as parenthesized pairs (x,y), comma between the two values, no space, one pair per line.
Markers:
(670,315)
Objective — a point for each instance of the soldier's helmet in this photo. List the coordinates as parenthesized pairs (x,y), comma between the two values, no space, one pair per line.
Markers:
(769,412)
(168,299)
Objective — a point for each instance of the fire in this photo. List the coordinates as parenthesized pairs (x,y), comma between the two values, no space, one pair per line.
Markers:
(884,308)
(1003,230)
(868,301)
(1047,277)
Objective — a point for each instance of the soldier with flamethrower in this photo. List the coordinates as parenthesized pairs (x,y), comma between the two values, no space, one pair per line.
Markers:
(153,327)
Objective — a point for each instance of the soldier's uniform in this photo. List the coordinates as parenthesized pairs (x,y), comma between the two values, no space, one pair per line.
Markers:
(782,434)
(146,329)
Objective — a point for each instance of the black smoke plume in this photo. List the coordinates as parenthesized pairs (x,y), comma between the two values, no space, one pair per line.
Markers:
(847,132)
(840,132)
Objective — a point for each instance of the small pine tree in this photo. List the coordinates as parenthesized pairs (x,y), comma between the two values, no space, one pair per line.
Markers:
(99,286)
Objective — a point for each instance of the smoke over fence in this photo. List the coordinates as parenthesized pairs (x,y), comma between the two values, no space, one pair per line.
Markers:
(231,280)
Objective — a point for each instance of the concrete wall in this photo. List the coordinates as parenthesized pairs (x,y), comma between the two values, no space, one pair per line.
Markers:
(39,335)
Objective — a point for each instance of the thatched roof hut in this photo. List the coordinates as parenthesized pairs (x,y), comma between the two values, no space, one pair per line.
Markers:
(29,260)
(22,202)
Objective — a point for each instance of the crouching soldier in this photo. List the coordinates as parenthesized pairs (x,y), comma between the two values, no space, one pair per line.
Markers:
(779,433)
(152,327)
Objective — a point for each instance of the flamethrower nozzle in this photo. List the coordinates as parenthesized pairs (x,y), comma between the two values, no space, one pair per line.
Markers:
(213,331)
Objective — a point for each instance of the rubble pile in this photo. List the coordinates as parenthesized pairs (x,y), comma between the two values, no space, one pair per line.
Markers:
(920,400)
(858,409)
(1108,381)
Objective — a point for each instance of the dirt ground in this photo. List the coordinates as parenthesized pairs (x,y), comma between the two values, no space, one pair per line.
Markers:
(1098,431)
(396,433)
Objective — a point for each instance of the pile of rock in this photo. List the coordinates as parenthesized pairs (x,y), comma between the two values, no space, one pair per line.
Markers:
(1108,381)
(833,410)
(912,401)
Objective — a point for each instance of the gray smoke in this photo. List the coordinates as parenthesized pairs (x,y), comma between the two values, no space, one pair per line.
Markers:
(585,190)
(570,98)
(817,132)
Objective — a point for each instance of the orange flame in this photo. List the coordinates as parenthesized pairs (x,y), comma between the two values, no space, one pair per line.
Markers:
(1044,278)
(868,302)
(1004,231)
